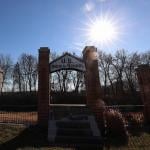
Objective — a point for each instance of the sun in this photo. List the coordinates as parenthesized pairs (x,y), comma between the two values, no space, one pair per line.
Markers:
(102,30)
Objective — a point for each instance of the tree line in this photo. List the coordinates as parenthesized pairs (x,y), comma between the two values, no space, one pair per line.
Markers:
(19,76)
(117,73)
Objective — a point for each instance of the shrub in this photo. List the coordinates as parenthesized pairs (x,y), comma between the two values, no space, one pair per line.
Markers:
(135,122)
(115,127)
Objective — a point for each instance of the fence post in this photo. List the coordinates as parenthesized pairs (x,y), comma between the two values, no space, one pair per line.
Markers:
(43,86)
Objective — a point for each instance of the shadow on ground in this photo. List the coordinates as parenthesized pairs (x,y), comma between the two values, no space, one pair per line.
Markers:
(30,137)
(36,138)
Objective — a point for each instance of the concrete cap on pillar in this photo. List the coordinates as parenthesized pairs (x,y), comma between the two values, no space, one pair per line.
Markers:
(44,49)
(143,67)
(90,52)
(89,48)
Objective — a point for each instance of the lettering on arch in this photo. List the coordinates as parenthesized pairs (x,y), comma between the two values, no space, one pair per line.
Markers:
(67,62)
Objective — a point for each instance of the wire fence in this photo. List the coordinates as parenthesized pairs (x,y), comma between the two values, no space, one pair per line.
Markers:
(18,114)
(133,114)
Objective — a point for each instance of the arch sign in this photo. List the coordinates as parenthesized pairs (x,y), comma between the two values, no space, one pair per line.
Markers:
(67,62)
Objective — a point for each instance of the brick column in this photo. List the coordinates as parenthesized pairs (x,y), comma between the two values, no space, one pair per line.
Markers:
(92,82)
(143,74)
(43,86)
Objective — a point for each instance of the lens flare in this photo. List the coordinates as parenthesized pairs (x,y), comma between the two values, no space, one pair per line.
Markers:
(103,30)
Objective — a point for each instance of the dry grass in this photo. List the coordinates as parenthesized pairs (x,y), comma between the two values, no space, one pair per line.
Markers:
(141,142)
(8,132)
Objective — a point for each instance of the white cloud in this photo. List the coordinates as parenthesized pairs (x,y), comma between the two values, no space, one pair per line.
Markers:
(88,6)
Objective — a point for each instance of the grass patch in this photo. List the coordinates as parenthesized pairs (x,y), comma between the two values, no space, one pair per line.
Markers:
(141,142)
(19,137)
(8,132)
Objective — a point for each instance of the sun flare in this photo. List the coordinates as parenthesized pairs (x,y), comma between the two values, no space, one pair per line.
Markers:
(102,31)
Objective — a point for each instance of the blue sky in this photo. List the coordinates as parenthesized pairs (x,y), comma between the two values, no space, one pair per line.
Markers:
(27,25)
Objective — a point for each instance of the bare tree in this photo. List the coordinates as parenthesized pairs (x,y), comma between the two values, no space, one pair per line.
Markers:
(28,68)
(132,62)
(118,71)
(118,63)
(106,71)
(17,78)
(77,79)
(6,64)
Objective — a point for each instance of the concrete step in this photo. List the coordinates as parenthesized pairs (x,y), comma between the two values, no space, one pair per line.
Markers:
(81,146)
(73,124)
(78,140)
(98,146)
(73,132)
(80,130)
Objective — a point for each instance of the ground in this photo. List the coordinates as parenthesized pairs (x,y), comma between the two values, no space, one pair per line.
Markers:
(19,137)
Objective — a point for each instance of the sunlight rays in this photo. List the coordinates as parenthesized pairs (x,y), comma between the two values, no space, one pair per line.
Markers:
(102,31)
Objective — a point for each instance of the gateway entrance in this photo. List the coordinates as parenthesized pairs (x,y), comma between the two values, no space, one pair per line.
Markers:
(88,65)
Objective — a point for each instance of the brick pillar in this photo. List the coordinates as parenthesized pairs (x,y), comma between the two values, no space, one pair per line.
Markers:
(143,74)
(43,86)
(92,82)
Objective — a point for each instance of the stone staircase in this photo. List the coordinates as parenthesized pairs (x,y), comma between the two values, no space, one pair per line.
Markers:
(79,129)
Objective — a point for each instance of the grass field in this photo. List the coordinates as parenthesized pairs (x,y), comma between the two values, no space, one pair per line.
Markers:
(19,137)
